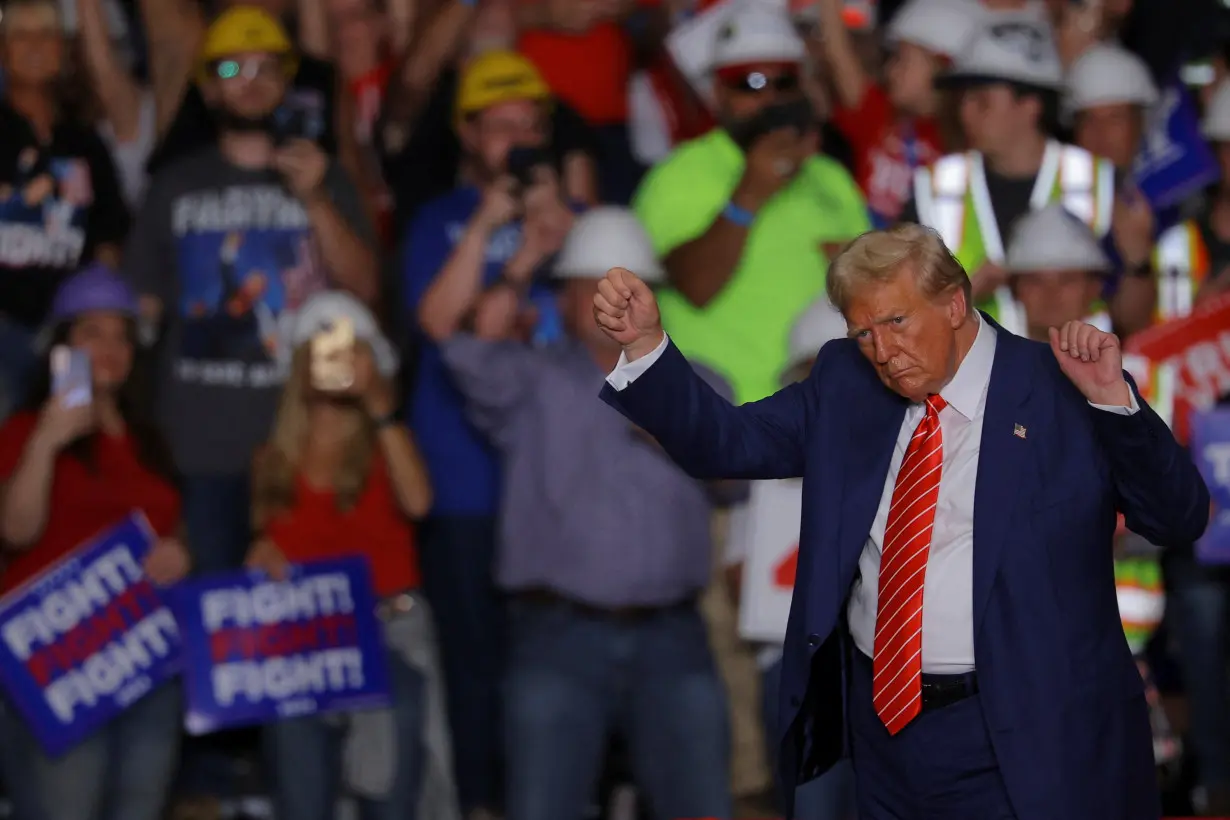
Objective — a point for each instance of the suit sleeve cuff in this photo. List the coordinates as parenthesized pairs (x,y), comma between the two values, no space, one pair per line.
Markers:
(626,372)
(1130,410)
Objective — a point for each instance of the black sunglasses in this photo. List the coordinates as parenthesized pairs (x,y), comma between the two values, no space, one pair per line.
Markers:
(756,82)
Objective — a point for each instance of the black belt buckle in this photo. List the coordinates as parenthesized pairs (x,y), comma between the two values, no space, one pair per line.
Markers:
(939,691)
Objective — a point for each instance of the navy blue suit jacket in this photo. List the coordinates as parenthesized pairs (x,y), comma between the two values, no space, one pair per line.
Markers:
(1060,692)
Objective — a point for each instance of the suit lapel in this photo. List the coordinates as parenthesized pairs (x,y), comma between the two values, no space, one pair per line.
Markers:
(1002,461)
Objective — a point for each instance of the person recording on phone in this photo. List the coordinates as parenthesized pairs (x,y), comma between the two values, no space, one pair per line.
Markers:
(81,457)
(339,476)
(505,220)
(742,215)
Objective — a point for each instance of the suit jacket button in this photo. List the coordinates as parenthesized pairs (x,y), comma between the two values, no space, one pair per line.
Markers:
(813,640)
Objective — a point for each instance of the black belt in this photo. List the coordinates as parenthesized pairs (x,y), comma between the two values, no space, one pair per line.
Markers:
(545,597)
(939,691)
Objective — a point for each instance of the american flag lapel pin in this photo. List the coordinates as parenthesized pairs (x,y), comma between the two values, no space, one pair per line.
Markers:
(1018,430)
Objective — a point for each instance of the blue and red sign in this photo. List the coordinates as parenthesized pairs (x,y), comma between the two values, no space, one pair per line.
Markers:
(257,650)
(87,638)
(1211,449)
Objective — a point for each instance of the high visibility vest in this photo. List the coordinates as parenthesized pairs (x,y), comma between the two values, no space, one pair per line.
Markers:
(951,196)
(1181,260)
(1142,599)
(1156,383)
(1100,320)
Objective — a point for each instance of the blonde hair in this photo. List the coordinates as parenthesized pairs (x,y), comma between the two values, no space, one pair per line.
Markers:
(879,256)
(276,471)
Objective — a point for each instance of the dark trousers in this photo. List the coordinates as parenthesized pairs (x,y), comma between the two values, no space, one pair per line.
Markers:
(939,767)
(457,555)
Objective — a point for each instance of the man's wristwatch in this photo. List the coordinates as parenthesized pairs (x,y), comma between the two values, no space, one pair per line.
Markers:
(1141,270)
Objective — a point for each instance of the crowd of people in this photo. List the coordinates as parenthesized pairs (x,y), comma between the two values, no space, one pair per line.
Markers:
(192,192)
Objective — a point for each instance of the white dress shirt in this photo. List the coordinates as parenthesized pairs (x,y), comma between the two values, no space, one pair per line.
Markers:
(948,588)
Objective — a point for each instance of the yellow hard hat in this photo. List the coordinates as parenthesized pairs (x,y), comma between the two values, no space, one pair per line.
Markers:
(245,28)
(496,77)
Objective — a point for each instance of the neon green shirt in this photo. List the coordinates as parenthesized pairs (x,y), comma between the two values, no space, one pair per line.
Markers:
(742,332)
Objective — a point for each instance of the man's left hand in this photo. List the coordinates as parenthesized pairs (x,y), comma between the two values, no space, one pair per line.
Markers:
(1093,361)
(302,164)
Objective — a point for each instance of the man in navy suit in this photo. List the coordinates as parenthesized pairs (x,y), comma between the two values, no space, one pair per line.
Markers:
(940,452)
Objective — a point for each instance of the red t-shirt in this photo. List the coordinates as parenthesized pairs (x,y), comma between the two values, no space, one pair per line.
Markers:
(887,150)
(374,527)
(589,71)
(83,503)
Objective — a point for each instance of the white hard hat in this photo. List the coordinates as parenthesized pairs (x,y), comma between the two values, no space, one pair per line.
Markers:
(1216,125)
(820,324)
(1016,49)
(320,311)
(1108,74)
(754,31)
(603,238)
(1052,239)
(941,26)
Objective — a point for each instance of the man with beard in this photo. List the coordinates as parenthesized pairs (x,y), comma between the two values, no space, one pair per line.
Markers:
(217,401)
(210,291)
(747,215)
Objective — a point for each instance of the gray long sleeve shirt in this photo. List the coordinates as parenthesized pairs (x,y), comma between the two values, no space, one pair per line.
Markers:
(591,509)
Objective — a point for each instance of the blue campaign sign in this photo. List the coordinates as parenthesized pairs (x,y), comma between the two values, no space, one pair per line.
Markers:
(1210,442)
(1175,160)
(87,638)
(256,650)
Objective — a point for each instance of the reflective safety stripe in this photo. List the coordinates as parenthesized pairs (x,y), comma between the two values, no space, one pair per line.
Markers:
(1139,606)
(945,193)
(1181,261)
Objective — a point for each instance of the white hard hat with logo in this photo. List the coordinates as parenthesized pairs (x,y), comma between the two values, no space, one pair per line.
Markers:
(1216,125)
(1108,74)
(753,31)
(820,324)
(603,238)
(1008,49)
(1054,239)
(319,313)
(940,26)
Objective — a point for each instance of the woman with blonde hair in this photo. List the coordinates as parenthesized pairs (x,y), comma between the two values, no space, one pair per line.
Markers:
(341,476)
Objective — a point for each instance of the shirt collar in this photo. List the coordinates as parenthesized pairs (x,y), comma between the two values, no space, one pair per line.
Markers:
(969,384)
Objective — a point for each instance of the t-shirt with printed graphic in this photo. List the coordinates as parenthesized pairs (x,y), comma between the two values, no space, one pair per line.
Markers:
(229,253)
(887,150)
(58,202)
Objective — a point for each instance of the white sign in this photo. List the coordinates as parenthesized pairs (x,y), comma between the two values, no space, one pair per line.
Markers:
(766,531)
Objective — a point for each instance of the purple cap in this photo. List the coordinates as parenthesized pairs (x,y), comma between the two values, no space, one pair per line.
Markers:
(96,287)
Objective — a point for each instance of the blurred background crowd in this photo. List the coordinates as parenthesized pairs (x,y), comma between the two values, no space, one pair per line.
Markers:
(192,190)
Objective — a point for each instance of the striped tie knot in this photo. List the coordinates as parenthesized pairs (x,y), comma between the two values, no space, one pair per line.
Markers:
(935,403)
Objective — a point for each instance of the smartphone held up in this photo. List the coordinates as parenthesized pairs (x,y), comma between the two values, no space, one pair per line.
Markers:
(71,377)
(332,355)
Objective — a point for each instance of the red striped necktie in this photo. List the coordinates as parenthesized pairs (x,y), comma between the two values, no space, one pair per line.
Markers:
(897,677)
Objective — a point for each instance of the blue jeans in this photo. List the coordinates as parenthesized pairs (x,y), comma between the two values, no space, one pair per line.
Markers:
(828,797)
(304,757)
(1197,606)
(576,677)
(457,556)
(216,517)
(122,772)
(17,362)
